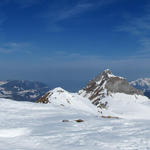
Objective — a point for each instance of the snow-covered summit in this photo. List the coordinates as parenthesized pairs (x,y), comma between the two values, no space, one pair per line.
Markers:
(63,98)
(107,73)
(106,84)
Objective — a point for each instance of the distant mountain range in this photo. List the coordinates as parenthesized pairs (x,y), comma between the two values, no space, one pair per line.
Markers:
(142,84)
(22,90)
(107,95)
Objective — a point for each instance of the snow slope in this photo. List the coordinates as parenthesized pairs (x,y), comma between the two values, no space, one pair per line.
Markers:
(127,106)
(63,98)
(116,105)
(35,126)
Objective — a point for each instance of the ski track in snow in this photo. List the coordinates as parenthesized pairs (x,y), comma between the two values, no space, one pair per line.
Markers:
(29,126)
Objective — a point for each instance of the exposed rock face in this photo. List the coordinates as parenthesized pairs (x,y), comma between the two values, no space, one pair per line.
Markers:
(43,99)
(53,93)
(106,84)
(121,86)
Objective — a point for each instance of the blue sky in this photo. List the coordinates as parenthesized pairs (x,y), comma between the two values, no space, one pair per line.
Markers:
(67,42)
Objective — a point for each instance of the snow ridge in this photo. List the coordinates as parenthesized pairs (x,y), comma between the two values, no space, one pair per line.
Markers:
(65,99)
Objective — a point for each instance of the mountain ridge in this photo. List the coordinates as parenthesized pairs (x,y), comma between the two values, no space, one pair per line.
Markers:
(105,84)
(106,94)
(22,90)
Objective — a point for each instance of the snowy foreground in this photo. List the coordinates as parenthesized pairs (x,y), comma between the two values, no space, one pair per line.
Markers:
(31,126)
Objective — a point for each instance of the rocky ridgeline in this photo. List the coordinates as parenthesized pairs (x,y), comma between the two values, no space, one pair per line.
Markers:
(106,84)
(107,96)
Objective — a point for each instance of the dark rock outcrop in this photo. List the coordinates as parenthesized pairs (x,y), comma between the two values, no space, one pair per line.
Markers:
(43,99)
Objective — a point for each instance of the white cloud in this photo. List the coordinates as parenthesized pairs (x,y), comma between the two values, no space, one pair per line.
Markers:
(71,65)
(69,60)
(12,47)
(64,11)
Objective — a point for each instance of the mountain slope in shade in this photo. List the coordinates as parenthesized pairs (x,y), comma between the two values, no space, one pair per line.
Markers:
(104,85)
(22,90)
(142,84)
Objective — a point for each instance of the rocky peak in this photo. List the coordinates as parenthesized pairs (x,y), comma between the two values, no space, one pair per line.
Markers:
(106,84)
(104,75)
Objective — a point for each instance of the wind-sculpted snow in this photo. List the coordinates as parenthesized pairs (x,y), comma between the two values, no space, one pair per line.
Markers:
(35,126)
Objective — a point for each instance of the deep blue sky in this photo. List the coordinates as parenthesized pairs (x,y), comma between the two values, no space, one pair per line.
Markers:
(67,42)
